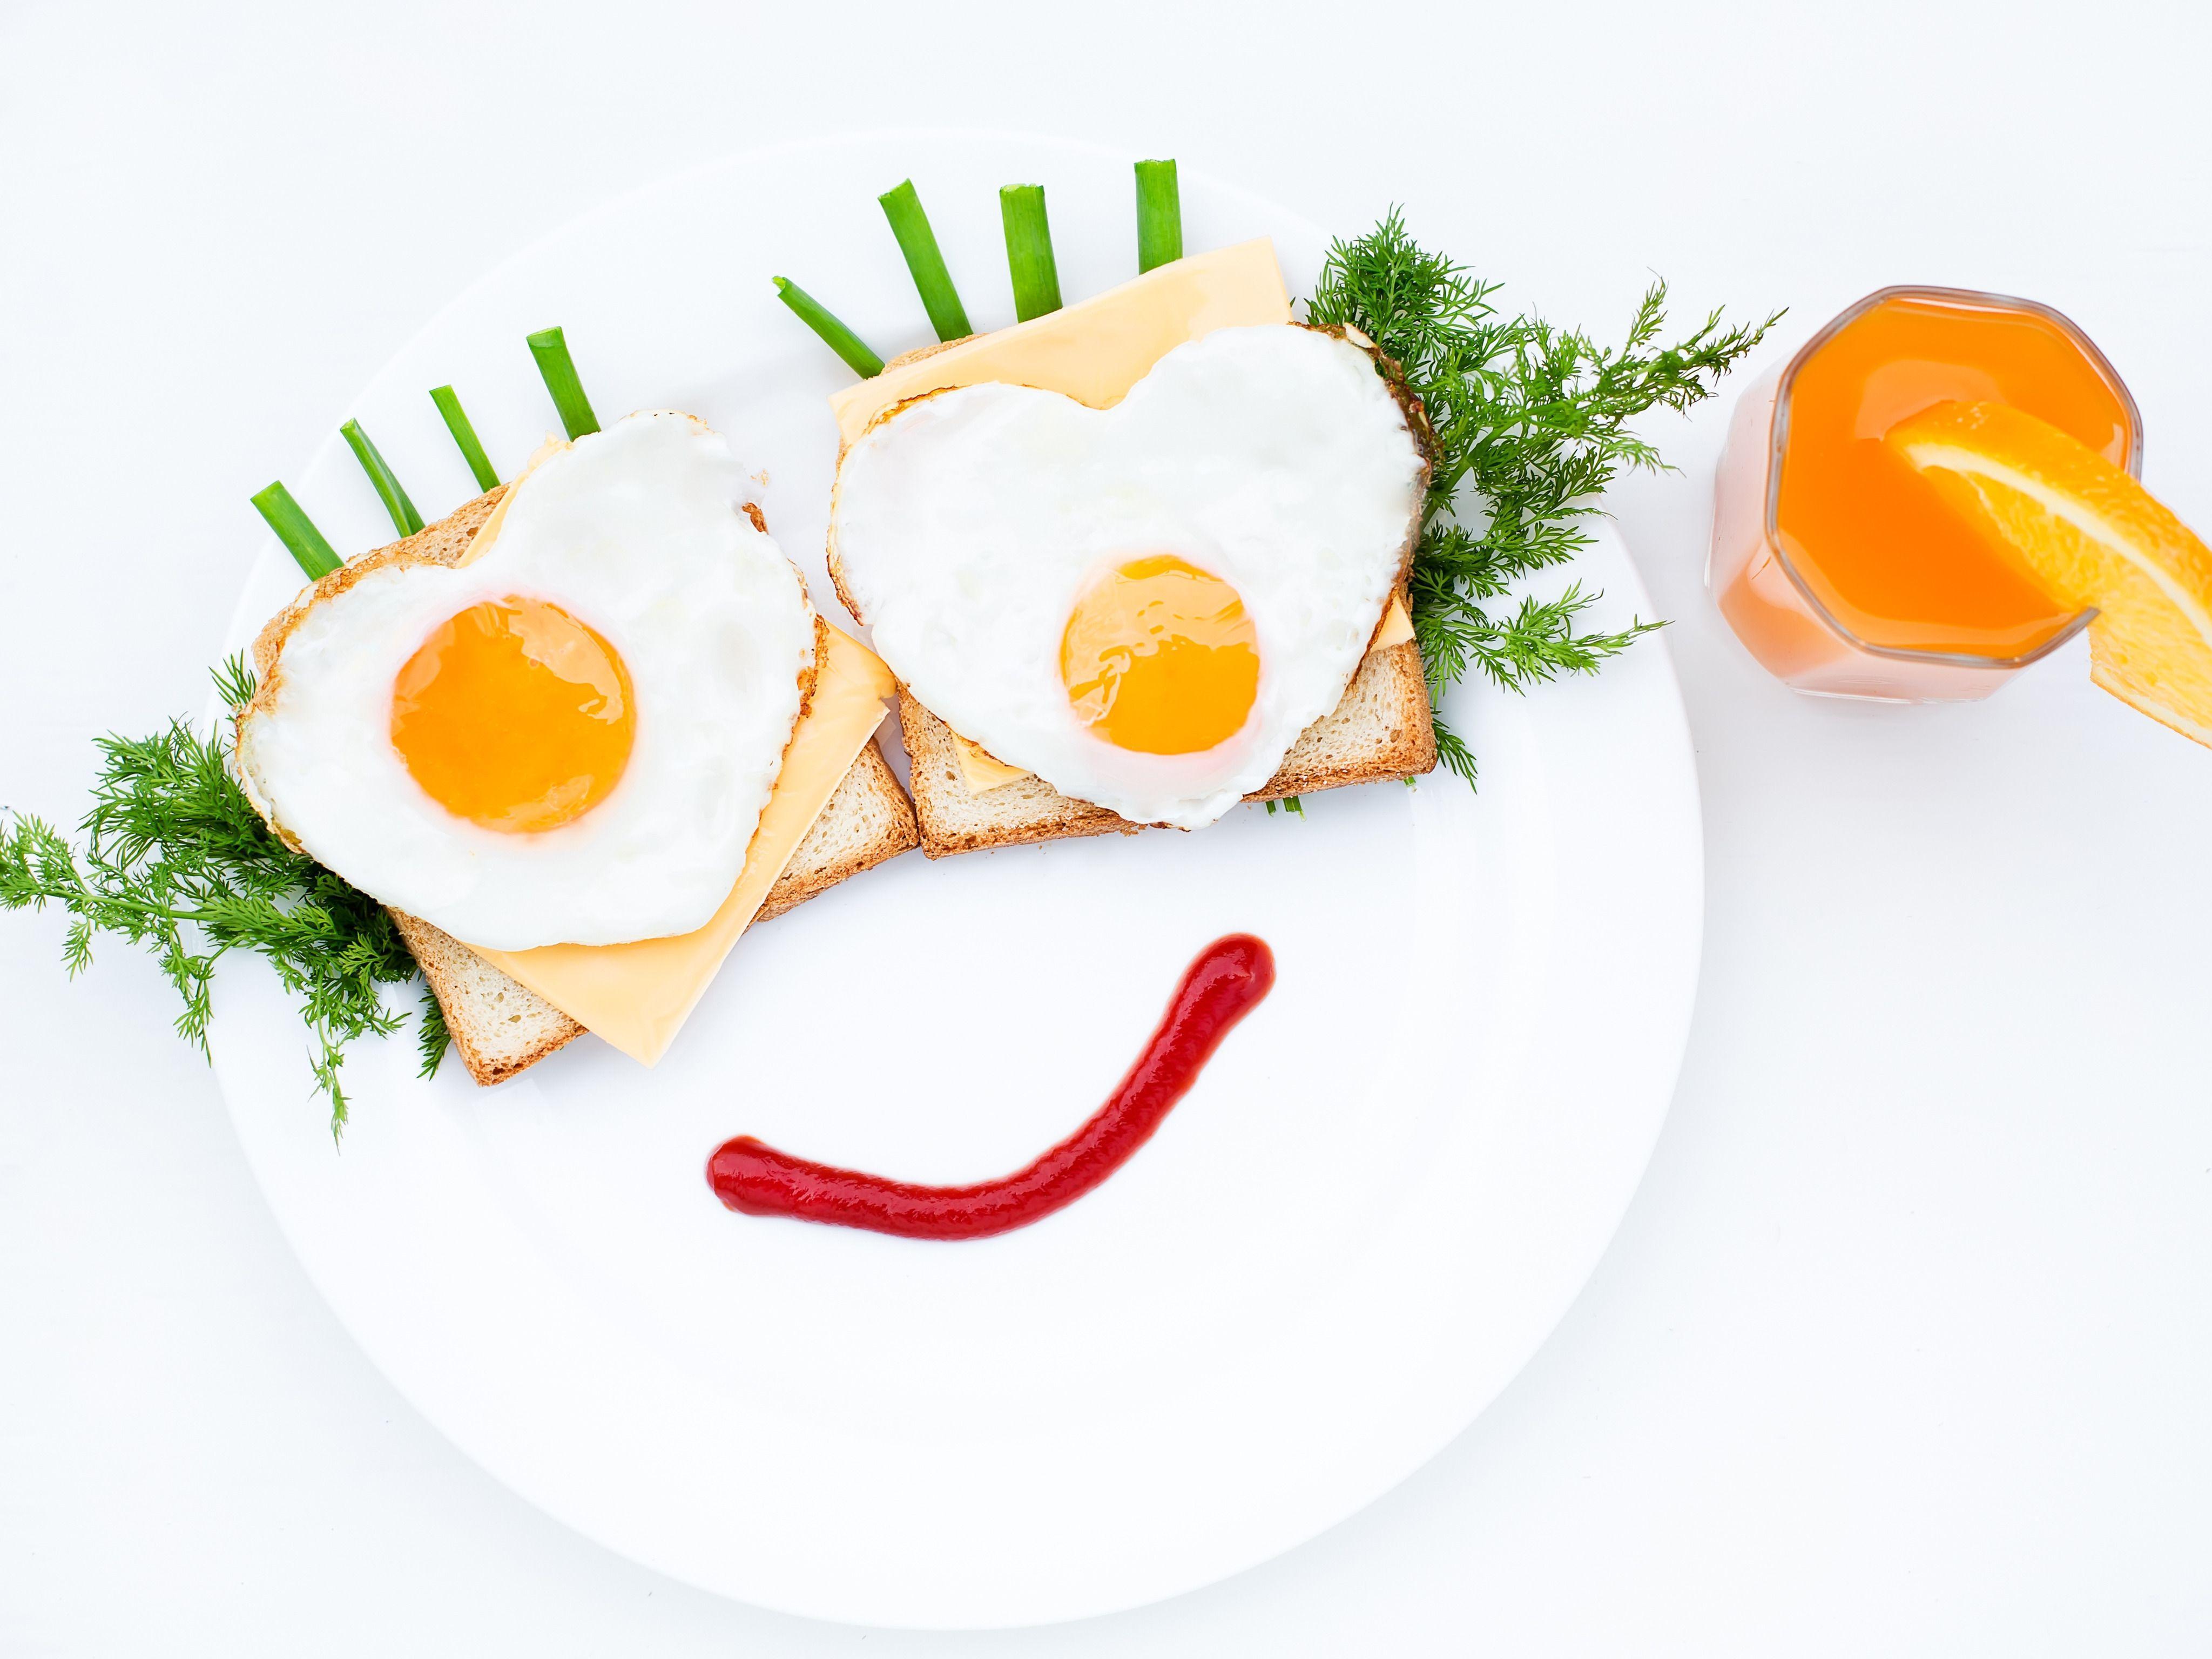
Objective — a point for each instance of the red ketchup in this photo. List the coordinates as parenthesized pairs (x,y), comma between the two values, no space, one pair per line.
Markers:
(1225,984)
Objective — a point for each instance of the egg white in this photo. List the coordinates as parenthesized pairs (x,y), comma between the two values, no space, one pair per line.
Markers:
(964,526)
(639,532)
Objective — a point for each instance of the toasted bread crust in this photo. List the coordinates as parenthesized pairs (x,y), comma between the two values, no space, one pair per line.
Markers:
(868,820)
(1381,728)
(931,351)
(955,819)
(499,1028)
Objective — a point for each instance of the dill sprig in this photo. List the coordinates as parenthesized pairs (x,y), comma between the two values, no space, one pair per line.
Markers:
(1529,424)
(432,1039)
(177,859)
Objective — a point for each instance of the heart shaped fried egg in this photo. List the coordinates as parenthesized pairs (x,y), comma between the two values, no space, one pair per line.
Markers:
(569,737)
(1147,605)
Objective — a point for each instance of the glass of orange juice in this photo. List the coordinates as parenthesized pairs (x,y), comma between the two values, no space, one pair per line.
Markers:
(1838,565)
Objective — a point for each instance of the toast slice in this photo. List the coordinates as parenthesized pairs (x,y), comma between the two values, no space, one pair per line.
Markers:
(500,1027)
(1381,728)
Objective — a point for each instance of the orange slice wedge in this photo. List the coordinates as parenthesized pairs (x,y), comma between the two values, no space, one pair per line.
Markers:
(2089,535)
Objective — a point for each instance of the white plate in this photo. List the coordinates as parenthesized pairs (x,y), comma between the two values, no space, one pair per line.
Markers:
(1378,1199)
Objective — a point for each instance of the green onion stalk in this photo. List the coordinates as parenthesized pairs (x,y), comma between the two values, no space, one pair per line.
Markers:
(1159,215)
(473,450)
(404,519)
(1028,251)
(297,531)
(902,207)
(839,338)
(558,371)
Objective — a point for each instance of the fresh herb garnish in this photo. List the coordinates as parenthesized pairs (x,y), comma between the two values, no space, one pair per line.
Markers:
(176,859)
(1159,215)
(464,436)
(859,357)
(432,1039)
(925,261)
(307,545)
(1028,251)
(550,347)
(1530,425)
(404,518)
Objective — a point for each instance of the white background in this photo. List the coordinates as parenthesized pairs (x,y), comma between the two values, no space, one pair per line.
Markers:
(1906,1344)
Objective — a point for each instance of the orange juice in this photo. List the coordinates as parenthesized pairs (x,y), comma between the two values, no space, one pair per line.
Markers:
(1840,567)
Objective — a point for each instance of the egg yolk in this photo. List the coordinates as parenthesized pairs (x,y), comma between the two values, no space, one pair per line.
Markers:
(1160,658)
(514,715)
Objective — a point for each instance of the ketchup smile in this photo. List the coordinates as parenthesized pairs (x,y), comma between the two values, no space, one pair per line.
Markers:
(1227,982)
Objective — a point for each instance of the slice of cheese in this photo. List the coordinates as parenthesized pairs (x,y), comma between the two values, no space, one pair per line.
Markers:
(1096,349)
(1396,628)
(982,771)
(637,996)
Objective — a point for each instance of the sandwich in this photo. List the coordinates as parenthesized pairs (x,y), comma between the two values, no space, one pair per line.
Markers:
(576,737)
(1138,560)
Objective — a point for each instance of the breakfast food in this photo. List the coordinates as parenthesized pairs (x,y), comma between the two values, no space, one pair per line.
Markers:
(646,531)
(833,813)
(566,736)
(1128,559)
(1144,606)
(555,753)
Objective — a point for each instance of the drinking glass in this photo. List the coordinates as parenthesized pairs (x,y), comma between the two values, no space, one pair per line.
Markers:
(1765,597)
